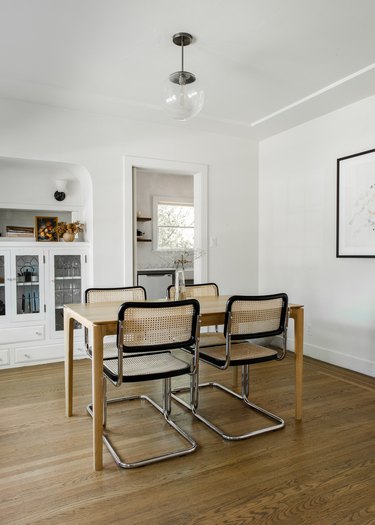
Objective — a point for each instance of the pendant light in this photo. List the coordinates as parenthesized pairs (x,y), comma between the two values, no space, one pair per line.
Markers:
(183,97)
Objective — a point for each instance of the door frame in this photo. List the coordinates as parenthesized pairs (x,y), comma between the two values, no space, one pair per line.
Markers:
(200,174)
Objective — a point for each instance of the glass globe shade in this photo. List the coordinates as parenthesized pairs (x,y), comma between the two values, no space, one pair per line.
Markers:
(182,101)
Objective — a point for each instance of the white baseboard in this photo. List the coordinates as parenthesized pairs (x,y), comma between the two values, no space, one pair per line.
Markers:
(351,362)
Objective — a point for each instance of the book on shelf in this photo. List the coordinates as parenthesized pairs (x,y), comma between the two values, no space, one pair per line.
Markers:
(20,231)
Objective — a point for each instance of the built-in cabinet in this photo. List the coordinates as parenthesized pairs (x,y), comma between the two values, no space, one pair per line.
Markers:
(36,280)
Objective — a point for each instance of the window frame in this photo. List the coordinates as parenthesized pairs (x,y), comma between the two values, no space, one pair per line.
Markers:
(169,200)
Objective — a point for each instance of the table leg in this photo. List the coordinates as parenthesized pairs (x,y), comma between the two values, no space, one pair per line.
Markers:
(97,396)
(68,344)
(298,316)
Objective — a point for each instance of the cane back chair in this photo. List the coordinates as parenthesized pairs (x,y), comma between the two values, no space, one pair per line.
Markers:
(246,318)
(196,291)
(111,295)
(146,335)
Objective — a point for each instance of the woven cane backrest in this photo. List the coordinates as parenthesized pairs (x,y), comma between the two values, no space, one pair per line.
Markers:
(196,290)
(155,326)
(120,295)
(253,317)
(112,295)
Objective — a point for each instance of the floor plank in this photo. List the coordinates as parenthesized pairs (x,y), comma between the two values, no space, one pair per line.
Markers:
(319,471)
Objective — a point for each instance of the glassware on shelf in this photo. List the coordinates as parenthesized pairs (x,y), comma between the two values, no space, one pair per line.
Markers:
(27,280)
(67,286)
(76,267)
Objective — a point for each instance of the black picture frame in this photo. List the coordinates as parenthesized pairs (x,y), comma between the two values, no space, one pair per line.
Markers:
(44,229)
(355,206)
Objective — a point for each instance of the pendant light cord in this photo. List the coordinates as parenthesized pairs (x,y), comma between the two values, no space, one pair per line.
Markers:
(182,55)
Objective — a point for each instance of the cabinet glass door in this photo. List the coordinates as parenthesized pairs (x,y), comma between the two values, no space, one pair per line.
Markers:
(68,286)
(29,281)
(3,298)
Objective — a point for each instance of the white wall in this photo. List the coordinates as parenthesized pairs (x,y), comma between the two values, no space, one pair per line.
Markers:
(99,143)
(29,182)
(297,232)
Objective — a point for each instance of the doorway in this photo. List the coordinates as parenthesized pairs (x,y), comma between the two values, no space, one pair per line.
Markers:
(146,226)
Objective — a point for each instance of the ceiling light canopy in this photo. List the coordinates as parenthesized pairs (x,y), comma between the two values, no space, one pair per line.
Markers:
(183,97)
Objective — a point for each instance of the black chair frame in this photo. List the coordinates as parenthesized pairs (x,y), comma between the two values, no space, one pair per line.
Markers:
(223,364)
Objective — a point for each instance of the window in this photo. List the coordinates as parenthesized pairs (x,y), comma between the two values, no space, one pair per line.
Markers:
(174,224)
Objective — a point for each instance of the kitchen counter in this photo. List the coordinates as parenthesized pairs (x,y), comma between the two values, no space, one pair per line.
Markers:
(145,271)
(189,272)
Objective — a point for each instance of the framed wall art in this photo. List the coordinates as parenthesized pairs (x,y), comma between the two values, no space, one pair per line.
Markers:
(356,205)
(45,229)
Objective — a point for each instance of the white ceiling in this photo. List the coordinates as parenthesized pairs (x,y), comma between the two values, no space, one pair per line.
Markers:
(253,57)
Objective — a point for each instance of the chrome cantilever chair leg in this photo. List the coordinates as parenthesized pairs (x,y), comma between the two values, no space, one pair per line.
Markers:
(280,423)
(165,409)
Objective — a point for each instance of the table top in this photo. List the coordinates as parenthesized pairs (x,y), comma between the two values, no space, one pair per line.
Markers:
(104,313)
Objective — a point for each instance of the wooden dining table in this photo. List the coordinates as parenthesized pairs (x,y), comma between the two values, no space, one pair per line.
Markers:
(101,319)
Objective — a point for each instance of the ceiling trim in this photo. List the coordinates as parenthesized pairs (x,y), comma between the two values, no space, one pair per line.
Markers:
(313,95)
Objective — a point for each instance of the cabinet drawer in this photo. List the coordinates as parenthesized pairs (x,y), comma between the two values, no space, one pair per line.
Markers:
(39,353)
(4,357)
(23,333)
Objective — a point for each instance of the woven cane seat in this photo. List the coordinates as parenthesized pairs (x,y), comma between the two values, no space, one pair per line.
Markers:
(241,353)
(146,367)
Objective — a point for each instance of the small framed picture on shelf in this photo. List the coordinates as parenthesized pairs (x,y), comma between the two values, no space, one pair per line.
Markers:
(45,229)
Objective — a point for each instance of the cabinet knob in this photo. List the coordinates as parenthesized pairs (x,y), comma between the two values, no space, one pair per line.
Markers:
(38,333)
(27,356)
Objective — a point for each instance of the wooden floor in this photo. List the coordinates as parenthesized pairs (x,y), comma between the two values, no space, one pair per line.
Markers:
(318,472)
